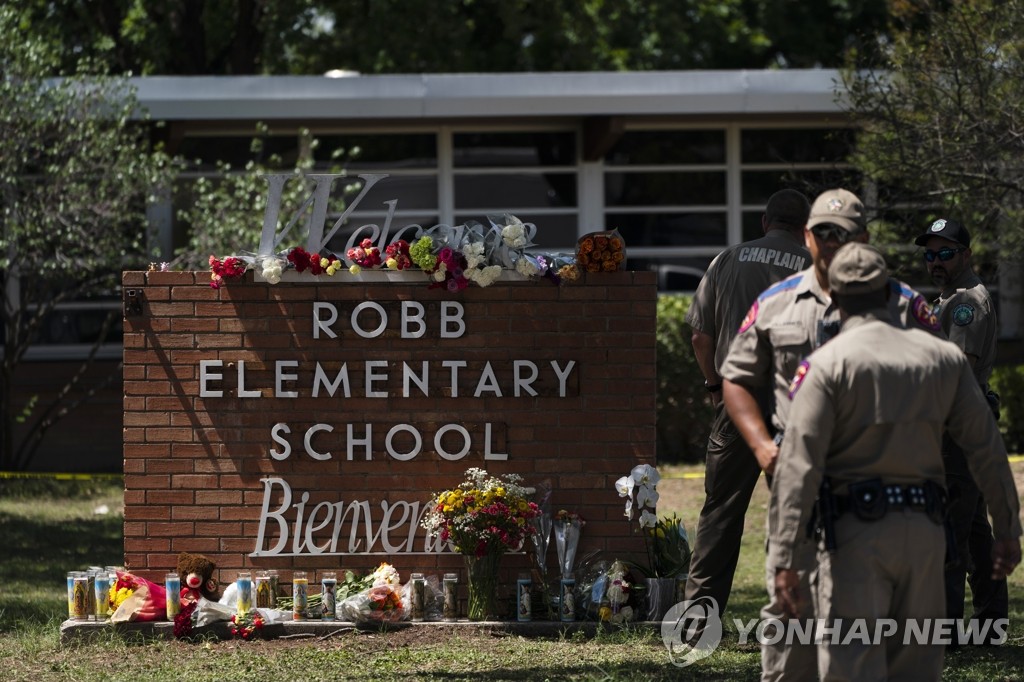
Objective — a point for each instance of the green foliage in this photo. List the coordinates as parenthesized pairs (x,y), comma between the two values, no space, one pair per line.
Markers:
(1008,382)
(225,213)
(75,176)
(419,36)
(941,119)
(684,411)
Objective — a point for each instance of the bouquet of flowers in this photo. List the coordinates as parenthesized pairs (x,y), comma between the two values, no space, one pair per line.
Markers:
(616,598)
(483,515)
(246,626)
(132,598)
(568,526)
(229,268)
(665,540)
(382,600)
(601,252)
(366,255)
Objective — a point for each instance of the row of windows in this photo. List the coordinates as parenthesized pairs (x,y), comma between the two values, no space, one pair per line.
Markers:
(677,195)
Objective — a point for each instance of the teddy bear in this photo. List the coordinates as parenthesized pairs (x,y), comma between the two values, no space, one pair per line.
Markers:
(196,574)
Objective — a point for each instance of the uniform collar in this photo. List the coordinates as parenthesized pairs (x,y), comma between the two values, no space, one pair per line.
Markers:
(785,235)
(809,285)
(965,280)
(873,315)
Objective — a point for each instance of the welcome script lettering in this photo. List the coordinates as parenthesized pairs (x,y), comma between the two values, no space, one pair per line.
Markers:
(288,526)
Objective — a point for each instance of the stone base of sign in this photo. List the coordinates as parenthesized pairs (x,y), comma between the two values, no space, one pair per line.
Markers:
(75,631)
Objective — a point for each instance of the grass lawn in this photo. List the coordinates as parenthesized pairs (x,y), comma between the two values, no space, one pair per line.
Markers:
(48,528)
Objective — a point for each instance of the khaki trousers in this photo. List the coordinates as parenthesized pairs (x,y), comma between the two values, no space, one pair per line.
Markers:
(891,568)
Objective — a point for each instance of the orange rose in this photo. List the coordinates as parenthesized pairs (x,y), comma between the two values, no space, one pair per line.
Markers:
(587,245)
(616,244)
(593,267)
(602,242)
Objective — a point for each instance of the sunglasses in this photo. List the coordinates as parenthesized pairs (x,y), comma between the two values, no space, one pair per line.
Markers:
(944,254)
(827,231)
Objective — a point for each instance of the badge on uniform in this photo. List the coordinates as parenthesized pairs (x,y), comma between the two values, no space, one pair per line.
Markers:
(925,315)
(749,319)
(798,378)
(963,314)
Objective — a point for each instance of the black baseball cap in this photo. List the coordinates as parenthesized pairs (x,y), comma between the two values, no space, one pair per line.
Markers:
(947,229)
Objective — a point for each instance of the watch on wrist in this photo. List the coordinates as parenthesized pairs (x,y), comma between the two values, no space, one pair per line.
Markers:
(712,388)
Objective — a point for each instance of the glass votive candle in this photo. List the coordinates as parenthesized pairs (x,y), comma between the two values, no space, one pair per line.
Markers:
(300,595)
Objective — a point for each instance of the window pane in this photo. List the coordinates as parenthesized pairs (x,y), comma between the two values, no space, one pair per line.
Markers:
(758,186)
(412,192)
(664,189)
(376,151)
(274,151)
(674,274)
(514,149)
(670,229)
(555,233)
(752,228)
(642,147)
(515,190)
(805,145)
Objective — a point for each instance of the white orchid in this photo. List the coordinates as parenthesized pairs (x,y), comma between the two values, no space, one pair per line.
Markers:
(645,474)
(648,519)
(646,497)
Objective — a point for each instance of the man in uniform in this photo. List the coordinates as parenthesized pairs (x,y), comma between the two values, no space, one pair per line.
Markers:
(730,285)
(787,322)
(867,415)
(968,318)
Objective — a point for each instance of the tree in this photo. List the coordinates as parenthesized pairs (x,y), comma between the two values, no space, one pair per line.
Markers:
(942,119)
(185,37)
(75,173)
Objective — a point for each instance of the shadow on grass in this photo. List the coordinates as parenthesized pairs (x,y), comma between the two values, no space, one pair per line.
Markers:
(38,553)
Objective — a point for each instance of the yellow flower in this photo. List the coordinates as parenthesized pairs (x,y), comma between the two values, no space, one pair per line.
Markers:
(355,269)
(324,262)
(391,263)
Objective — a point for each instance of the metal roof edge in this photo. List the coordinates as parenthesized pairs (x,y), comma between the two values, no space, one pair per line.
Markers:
(418,96)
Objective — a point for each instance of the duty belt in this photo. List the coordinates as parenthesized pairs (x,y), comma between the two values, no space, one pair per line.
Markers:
(897,497)
(871,500)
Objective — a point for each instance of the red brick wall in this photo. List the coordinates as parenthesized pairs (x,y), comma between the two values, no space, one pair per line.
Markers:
(193,466)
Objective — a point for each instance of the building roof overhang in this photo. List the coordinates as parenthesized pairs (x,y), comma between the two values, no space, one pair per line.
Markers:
(460,96)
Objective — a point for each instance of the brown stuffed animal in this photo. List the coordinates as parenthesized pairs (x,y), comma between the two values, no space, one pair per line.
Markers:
(196,574)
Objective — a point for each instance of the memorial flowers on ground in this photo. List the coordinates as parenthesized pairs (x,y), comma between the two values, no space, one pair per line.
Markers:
(665,539)
(482,518)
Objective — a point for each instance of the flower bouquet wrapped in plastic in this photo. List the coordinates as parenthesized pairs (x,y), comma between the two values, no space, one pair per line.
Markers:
(383,601)
(136,599)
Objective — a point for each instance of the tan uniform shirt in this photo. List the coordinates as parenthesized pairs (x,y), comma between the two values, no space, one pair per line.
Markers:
(792,318)
(873,404)
(968,318)
(735,278)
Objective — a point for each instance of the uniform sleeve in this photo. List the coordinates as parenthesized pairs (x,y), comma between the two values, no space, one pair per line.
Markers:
(913,311)
(701,314)
(749,362)
(968,324)
(973,427)
(801,465)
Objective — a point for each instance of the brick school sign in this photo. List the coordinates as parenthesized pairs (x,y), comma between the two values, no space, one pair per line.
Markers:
(305,425)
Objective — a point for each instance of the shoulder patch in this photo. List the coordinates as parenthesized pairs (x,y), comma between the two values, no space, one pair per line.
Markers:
(784,285)
(963,314)
(924,314)
(798,378)
(749,319)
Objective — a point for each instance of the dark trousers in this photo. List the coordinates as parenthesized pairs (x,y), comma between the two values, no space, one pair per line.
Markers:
(731,473)
(973,534)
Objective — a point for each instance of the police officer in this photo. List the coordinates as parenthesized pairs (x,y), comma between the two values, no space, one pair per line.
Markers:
(867,415)
(968,317)
(731,283)
(787,322)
